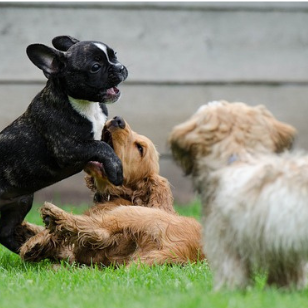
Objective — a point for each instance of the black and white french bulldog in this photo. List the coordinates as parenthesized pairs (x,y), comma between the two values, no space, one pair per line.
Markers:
(61,129)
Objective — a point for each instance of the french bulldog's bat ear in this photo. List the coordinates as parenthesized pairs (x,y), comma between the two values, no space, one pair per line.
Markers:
(49,60)
(64,42)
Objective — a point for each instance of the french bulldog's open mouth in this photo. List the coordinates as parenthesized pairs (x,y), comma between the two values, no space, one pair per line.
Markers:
(113,91)
(112,95)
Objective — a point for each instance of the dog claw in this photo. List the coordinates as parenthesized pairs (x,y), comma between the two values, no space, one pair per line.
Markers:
(47,221)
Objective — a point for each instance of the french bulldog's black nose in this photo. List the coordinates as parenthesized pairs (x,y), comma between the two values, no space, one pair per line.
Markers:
(122,70)
(118,122)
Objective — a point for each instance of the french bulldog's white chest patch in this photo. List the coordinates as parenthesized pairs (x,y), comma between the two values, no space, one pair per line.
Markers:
(93,112)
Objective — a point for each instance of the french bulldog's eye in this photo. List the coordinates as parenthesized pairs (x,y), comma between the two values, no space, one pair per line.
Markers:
(140,148)
(95,68)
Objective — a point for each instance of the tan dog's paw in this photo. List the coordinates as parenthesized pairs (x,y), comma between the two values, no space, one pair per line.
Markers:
(52,216)
(30,252)
(38,247)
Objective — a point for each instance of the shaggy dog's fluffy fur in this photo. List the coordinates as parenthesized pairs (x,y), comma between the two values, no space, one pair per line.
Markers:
(255,201)
(134,222)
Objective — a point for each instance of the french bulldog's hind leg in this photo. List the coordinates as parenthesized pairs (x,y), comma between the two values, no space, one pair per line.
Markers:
(12,216)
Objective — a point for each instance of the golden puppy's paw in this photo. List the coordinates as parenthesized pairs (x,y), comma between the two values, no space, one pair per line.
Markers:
(30,253)
(34,249)
(52,216)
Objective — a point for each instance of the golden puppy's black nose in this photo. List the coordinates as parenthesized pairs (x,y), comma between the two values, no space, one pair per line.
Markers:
(118,122)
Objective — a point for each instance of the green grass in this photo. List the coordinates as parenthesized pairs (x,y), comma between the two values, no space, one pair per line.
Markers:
(42,285)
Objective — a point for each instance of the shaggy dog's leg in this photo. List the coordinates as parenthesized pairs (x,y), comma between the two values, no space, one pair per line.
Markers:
(230,269)
(232,273)
(292,275)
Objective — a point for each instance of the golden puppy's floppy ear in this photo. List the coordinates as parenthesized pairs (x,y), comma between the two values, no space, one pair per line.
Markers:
(90,183)
(154,192)
(160,193)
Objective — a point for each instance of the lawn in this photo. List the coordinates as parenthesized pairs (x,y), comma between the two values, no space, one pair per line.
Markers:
(42,285)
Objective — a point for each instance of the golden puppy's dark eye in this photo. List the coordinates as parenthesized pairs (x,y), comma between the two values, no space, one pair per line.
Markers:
(140,148)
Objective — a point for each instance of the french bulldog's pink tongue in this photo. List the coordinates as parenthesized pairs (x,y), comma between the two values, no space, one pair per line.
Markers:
(113,91)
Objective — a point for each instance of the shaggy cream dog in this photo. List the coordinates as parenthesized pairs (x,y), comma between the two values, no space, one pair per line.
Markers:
(255,201)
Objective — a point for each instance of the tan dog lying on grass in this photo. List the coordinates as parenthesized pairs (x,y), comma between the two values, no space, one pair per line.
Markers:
(255,201)
(134,222)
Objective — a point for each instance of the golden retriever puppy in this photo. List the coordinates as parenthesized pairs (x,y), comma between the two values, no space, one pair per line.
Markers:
(255,201)
(142,184)
(135,222)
